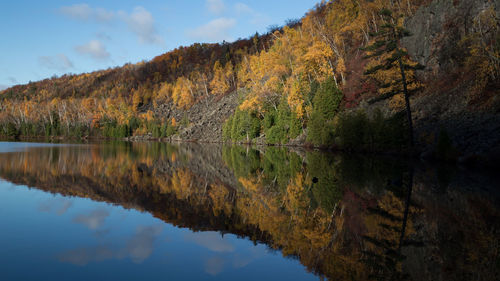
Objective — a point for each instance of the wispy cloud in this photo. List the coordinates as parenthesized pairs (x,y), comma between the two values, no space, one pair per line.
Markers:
(95,49)
(77,11)
(85,13)
(3,87)
(215,31)
(256,18)
(141,22)
(103,36)
(58,62)
(241,8)
(103,15)
(216,7)
(12,80)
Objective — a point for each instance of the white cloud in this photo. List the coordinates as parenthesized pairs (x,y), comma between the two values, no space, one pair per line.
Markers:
(58,62)
(94,49)
(216,7)
(77,11)
(84,12)
(260,19)
(141,22)
(215,31)
(3,87)
(242,8)
(101,14)
(256,18)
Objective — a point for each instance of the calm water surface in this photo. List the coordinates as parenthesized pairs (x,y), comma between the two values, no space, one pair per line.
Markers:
(121,211)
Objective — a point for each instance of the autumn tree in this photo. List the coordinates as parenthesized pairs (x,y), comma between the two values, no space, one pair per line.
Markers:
(483,44)
(220,84)
(182,93)
(136,100)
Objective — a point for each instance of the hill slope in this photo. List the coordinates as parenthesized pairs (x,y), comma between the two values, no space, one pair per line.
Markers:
(300,84)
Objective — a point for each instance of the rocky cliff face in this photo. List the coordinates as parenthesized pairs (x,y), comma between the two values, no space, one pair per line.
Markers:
(205,118)
(472,121)
(437,29)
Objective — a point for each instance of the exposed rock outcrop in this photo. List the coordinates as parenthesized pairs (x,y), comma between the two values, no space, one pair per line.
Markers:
(447,103)
(437,30)
(205,118)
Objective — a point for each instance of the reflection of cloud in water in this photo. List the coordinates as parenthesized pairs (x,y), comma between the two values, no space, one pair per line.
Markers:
(64,207)
(93,220)
(240,261)
(226,252)
(210,240)
(83,256)
(138,249)
(56,205)
(214,265)
(101,233)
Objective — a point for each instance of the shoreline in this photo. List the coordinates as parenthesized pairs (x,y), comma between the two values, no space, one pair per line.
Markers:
(488,162)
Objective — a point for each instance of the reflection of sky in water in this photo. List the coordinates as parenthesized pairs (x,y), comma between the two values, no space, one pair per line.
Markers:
(42,234)
(22,146)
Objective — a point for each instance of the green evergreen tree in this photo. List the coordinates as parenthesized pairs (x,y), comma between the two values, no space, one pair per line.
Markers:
(171,130)
(327,99)
(326,103)
(388,42)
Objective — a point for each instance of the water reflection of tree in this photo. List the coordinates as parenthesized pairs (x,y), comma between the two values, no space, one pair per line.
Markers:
(384,244)
(342,217)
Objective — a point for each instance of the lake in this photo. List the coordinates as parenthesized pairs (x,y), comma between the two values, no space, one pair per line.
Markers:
(151,211)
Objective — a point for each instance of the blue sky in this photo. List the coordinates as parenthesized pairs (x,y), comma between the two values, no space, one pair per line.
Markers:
(45,38)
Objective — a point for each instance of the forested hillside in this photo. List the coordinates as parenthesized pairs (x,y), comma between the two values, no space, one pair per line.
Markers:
(343,76)
(119,102)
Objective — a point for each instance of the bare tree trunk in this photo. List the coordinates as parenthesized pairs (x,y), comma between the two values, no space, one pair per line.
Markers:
(333,72)
(407,103)
(205,82)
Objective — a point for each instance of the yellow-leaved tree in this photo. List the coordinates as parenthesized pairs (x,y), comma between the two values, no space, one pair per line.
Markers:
(182,93)
(220,84)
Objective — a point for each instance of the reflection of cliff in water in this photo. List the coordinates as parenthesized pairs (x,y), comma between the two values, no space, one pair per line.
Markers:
(342,217)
